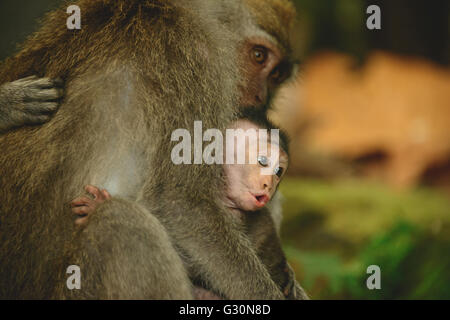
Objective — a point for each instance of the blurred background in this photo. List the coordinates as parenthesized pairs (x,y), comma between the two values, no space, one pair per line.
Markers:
(369,177)
(369,119)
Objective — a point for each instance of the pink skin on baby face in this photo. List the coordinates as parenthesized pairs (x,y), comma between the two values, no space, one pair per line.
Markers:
(248,189)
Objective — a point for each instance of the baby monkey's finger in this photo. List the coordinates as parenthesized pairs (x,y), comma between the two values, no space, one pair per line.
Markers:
(80,201)
(105,194)
(81,211)
(289,291)
(81,221)
(289,286)
(94,191)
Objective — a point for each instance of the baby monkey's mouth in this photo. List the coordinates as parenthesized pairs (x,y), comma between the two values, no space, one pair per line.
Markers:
(261,200)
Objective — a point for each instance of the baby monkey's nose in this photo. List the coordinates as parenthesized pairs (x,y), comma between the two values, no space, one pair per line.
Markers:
(267,182)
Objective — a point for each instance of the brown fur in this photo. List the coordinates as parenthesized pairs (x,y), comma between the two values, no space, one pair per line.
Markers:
(99,53)
(263,230)
(29,100)
(135,72)
(277,18)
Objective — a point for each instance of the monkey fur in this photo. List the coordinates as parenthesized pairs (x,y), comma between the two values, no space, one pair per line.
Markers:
(154,66)
(130,144)
(28,101)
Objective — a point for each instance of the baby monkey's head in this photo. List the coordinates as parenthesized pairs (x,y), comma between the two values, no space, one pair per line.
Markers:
(251,185)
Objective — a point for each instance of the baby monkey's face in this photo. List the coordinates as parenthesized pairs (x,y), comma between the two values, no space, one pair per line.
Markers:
(250,186)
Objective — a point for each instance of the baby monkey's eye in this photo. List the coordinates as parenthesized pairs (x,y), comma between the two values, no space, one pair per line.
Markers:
(279,172)
(262,160)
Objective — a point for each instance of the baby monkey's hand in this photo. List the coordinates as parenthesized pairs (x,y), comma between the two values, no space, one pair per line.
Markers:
(289,287)
(84,206)
(203,294)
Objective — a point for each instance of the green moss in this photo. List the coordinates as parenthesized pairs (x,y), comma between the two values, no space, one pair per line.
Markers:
(333,231)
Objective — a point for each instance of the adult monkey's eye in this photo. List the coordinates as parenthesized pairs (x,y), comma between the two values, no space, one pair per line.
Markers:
(279,172)
(263,161)
(259,54)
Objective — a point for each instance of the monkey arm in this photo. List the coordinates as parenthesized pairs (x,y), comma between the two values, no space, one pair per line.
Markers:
(263,233)
(125,253)
(221,254)
(28,101)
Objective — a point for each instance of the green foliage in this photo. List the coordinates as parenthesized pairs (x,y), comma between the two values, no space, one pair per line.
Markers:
(333,231)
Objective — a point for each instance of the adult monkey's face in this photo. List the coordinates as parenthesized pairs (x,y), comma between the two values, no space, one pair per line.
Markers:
(266,51)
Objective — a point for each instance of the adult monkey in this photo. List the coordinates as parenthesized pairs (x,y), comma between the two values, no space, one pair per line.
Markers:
(268,43)
(265,56)
(163,70)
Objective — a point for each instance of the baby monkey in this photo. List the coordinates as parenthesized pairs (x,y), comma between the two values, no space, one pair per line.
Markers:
(251,193)
(249,189)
